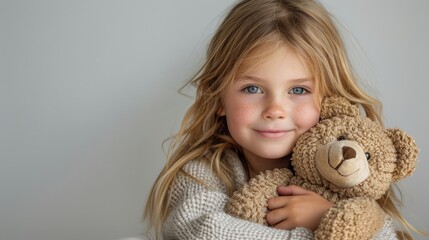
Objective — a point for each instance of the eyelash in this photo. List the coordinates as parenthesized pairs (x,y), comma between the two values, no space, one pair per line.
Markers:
(259,90)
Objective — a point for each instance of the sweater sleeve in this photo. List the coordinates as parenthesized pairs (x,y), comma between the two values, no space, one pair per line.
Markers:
(388,232)
(196,211)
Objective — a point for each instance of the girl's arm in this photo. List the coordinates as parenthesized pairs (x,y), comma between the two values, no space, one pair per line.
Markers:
(297,206)
(197,212)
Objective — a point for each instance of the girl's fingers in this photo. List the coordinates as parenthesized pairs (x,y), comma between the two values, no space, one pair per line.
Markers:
(299,208)
(277,202)
(276,217)
(292,190)
(285,225)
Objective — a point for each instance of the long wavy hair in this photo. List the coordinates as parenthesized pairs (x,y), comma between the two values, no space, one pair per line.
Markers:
(250,25)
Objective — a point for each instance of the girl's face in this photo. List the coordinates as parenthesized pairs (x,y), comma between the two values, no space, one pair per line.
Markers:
(269,106)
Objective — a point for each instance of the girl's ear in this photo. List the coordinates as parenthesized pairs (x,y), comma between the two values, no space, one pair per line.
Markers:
(221,111)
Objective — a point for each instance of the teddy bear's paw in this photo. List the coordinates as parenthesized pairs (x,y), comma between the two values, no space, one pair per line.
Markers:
(350,219)
(250,202)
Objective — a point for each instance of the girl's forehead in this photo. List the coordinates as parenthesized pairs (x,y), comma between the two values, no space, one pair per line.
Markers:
(262,53)
(256,57)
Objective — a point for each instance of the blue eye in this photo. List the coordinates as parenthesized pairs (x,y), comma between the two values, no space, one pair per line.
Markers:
(252,89)
(298,90)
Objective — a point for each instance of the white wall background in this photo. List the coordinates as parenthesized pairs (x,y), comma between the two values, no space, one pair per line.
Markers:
(88,92)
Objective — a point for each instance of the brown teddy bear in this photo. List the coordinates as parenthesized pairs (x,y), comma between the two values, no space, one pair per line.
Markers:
(348,159)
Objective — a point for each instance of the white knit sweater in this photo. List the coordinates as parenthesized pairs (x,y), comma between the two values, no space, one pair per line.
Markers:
(196,211)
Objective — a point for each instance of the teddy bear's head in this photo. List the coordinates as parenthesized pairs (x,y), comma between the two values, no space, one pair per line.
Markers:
(351,155)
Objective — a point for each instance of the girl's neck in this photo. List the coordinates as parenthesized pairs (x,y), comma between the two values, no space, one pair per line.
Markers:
(254,165)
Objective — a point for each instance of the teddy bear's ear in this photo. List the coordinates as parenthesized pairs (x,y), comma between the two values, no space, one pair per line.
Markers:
(338,106)
(406,150)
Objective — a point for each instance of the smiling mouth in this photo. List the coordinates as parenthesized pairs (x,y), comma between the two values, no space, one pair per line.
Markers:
(272,134)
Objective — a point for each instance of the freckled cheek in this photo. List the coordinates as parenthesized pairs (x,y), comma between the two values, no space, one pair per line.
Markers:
(242,112)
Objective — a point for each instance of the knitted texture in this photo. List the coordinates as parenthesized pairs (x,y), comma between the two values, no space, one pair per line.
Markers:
(344,220)
(373,140)
(348,159)
(338,106)
(254,198)
(405,154)
(196,210)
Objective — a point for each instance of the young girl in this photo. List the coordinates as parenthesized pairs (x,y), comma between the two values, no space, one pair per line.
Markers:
(268,67)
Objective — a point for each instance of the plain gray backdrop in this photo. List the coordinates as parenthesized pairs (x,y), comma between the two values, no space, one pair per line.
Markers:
(88,92)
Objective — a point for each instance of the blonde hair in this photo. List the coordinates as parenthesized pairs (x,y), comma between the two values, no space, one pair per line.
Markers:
(303,25)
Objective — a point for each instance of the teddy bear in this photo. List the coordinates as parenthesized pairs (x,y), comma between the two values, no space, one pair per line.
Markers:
(348,159)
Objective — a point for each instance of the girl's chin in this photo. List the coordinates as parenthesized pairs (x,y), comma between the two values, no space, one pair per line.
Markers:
(269,155)
(275,156)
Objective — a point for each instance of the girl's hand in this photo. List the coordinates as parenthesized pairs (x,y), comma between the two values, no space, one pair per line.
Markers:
(296,207)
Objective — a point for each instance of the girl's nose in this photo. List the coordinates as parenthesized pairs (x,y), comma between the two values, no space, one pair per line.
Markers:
(274,110)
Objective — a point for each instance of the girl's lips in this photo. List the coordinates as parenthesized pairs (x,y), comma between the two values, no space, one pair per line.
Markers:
(272,134)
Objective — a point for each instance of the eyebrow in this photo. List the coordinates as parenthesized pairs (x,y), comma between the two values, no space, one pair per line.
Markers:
(296,80)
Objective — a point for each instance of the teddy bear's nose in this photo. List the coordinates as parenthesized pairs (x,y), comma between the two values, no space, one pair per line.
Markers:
(348,153)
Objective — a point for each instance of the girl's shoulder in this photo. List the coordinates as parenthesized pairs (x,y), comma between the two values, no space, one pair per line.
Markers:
(203,171)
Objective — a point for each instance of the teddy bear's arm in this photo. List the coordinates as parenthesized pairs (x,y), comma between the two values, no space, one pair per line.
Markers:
(350,219)
(250,202)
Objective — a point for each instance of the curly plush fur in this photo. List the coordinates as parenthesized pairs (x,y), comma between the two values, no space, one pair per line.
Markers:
(348,159)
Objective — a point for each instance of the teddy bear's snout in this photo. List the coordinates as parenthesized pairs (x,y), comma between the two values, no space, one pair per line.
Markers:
(348,153)
(342,163)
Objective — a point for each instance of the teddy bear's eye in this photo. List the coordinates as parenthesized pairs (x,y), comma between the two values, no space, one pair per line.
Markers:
(368,156)
(341,138)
